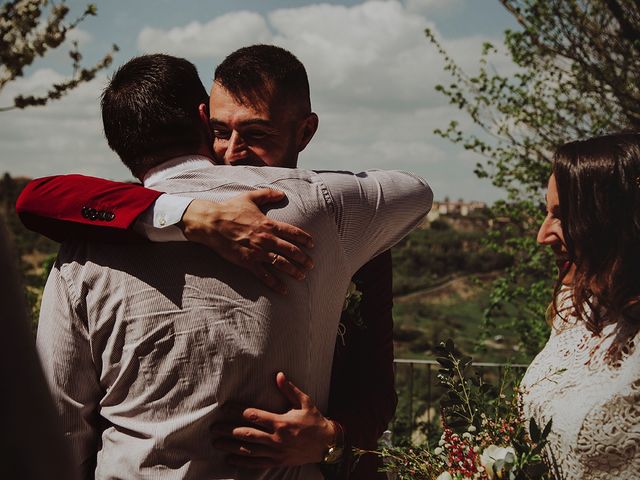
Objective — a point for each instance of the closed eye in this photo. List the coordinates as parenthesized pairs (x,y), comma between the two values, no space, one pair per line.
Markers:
(255,135)
(221,134)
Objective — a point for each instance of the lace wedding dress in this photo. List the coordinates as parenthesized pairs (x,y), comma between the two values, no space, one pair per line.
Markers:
(590,387)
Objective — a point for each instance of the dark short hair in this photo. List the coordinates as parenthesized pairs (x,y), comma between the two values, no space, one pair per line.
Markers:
(150,109)
(598,183)
(254,75)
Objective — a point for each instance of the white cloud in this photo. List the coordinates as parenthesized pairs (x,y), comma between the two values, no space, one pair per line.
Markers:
(397,140)
(79,35)
(216,38)
(374,53)
(372,73)
(63,137)
(428,6)
(36,83)
(370,53)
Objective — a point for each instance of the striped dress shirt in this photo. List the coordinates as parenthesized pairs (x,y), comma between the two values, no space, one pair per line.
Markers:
(143,345)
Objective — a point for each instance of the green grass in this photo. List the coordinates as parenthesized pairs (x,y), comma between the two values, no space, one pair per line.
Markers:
(422,324)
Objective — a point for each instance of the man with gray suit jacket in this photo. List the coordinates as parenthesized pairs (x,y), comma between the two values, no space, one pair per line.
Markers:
(144,347)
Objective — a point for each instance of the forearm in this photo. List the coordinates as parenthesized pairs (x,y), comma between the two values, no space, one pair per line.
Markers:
(76,206)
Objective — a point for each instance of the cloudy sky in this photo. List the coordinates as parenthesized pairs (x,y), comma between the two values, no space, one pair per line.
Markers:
(372,74)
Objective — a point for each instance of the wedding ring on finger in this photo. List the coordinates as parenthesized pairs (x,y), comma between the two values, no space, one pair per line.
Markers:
(275,259)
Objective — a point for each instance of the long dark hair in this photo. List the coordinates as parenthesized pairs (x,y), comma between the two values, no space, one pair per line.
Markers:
(598,184)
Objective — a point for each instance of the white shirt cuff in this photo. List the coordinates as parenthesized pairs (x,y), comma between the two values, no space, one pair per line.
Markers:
(158,222)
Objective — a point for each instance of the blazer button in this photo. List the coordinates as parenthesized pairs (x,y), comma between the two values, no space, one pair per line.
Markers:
(109,216)
(85,212)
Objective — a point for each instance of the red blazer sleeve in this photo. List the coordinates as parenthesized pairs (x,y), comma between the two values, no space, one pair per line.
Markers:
(362,396)
(68,207)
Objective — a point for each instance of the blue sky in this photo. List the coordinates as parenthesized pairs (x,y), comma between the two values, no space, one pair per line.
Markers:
(372,74)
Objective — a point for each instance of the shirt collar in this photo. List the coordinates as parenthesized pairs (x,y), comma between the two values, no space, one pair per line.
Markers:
(174,166)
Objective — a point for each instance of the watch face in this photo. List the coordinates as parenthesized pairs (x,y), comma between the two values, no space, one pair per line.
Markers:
(333,455)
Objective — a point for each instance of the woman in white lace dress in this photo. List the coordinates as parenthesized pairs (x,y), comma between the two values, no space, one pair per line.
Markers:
(587,377)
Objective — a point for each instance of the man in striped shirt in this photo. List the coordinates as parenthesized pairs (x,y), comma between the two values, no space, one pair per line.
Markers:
(145,346)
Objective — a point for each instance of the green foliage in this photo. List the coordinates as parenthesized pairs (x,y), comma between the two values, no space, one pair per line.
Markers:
(422,324)
(467,396)
(34,252)
(478,417)
(410,463)
(24,241)
(577,65)
(520,297)
(431,256)
(27,36)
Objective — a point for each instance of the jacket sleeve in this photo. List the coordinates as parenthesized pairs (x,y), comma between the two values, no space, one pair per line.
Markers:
(362,396)
(76,206)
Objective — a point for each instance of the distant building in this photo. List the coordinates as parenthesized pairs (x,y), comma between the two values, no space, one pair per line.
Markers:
(458,208)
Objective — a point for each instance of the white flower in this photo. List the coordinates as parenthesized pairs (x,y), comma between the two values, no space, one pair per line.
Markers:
(444,476)
(438,451)
(441,442)
(493,453)
(466,435)
(471,429)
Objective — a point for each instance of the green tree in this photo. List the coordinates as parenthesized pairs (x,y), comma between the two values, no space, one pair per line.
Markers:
(577,62)
(31,28)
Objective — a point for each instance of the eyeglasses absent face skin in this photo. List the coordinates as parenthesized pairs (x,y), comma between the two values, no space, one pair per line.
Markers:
(551,234)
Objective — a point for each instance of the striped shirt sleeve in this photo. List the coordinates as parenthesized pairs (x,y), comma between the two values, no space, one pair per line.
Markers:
(375,209)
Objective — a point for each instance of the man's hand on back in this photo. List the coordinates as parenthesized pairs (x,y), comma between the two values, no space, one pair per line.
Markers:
(239,232)
(261,439)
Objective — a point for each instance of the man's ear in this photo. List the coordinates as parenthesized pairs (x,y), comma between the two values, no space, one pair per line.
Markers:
(307,130)
(203,114)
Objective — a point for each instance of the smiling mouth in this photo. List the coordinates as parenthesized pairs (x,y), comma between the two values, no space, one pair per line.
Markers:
(249,162)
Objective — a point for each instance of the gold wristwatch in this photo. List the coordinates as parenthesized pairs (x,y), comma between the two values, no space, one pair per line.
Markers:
(335,451)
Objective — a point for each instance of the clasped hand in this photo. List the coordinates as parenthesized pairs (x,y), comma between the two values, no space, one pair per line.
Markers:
(239,232)
(261,439)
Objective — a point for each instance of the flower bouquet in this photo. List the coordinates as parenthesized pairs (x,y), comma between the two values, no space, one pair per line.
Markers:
(484,436)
